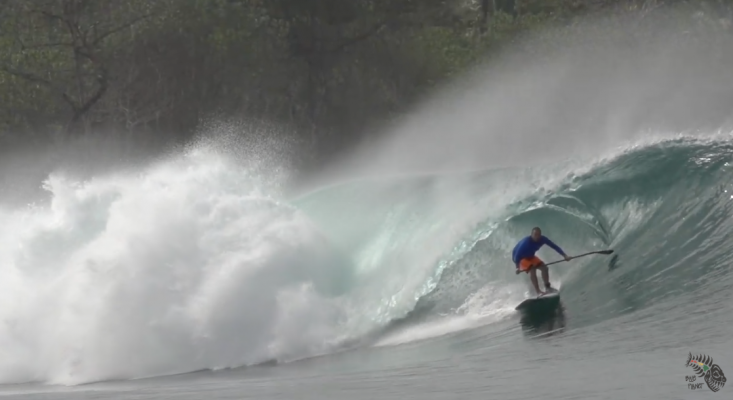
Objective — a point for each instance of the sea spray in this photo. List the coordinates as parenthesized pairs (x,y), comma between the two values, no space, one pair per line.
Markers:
(185,264)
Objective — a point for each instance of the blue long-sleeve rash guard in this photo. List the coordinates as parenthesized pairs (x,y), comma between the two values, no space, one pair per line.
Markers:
(527,247)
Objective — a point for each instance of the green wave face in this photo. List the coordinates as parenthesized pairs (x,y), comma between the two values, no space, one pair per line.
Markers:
(432,245)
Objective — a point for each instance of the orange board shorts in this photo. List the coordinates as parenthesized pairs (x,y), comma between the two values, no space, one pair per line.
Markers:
(526,263)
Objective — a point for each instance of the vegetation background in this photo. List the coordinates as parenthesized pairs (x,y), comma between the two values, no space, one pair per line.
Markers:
(328,71)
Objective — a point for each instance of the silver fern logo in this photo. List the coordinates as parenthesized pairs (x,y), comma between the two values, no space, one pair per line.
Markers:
(705,368)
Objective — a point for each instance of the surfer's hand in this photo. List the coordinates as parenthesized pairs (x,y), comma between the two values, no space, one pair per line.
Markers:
(568,258)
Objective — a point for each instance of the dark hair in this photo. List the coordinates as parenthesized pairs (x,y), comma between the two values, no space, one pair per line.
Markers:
(537,228)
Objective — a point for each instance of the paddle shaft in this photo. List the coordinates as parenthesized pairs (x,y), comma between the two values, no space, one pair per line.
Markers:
(580,255)
(584,254)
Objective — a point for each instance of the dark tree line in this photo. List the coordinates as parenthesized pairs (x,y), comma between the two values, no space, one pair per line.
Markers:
(153,69)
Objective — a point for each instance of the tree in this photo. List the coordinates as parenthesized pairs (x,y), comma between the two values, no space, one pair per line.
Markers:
(58,48)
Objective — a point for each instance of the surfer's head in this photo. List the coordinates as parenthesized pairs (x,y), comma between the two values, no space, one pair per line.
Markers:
(536,234)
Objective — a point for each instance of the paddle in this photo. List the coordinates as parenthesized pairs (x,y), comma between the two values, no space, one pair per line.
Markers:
(578,256)
(585,254)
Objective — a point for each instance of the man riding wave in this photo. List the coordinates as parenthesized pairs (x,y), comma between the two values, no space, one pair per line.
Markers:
(525,260)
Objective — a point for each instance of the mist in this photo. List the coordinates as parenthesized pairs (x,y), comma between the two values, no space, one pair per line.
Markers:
(265,149)
(563,93)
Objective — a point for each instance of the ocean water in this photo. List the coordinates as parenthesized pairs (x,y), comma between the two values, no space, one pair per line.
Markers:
(196,278)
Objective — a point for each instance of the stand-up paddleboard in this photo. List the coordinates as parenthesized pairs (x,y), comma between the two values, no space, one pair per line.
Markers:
(540,302)
(550,300)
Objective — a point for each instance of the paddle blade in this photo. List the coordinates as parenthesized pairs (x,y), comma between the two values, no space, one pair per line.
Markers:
(605,252)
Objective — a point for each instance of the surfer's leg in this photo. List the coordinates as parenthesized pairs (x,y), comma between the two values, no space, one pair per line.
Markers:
(545,274)
(533,278)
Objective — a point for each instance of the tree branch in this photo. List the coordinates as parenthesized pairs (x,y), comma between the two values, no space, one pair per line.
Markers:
(356,39)
(27,76)
(103,36)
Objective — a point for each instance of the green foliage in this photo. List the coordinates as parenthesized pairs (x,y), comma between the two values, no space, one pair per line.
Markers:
(157,67)
(451,51)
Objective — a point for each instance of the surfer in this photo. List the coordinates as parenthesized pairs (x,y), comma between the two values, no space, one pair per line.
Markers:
(525,260)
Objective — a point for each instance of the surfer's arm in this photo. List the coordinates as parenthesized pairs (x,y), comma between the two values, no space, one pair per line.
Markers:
(554,246)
